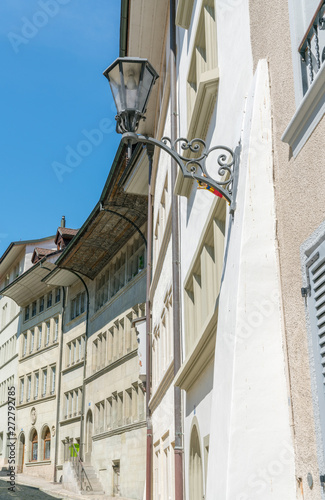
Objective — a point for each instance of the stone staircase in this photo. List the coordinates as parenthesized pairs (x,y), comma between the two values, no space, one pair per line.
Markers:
(96,487)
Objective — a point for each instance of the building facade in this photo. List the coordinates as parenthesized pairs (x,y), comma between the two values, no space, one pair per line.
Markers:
(15,261)
(228,402)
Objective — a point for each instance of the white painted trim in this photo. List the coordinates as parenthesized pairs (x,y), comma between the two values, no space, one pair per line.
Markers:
(307,116)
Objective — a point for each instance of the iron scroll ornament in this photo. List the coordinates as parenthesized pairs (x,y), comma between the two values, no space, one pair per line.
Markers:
(195,168)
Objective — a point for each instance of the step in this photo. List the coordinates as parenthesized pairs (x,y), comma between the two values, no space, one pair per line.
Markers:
(97,492)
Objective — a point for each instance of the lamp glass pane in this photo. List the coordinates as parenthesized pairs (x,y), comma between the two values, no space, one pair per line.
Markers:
(114,78)
(131,74)
(145,88)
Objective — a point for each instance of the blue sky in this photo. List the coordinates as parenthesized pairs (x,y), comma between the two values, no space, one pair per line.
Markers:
(58,136)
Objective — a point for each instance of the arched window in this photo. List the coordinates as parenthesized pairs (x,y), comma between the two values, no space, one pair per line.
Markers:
(47,444)
(34,446)
(196,472)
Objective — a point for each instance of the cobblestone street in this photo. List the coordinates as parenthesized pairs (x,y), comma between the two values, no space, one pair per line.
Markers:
(23,492)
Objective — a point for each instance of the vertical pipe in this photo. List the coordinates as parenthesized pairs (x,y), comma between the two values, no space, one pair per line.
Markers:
(83,399)
(178,450)
(150,150)
(58,389)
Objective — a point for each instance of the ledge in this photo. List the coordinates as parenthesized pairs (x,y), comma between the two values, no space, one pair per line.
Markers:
(307,116)
(76,320)
(38,463)
(70,368)
(111,366)
(70,420)
(9,322)
(120,430)
(38,351)
(184,13)
(34,402)
(162,387)
(161,255)
(9,360)
(200,355)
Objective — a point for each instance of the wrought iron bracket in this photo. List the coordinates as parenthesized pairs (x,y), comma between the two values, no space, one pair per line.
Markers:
(195,167)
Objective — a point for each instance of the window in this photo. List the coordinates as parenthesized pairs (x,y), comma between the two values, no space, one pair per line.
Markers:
(4,314)
(77,305)
(123,268)
(116,478)
(204,277)
(47,444)
(52,379)
(314,278)
(24,344)
(57,295)
(203,77)
(66,405)
(29,386)
(49,300)
(26,313)
(44,382)
(307,23)
(34,446)
(82,302)
(47,333)
(79,348)
(41,304)
(32,334)
(33,309)
(56,329)
(71,403)
(312,42)
(21,398)
(39,337)
(196,466)
(36,385)
(69,354)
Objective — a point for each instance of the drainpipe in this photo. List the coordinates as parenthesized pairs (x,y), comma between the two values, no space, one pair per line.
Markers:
(58,399)
(150,150)
(83,399)
(178,450)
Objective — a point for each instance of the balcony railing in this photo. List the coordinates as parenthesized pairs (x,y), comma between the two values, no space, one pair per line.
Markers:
(312,47)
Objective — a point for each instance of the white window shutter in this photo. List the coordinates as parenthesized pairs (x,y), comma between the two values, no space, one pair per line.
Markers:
(316,306)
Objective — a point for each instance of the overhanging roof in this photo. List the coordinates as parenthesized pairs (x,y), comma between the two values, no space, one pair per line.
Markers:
(104,233)
(60,277)
(143,29)
(29,285)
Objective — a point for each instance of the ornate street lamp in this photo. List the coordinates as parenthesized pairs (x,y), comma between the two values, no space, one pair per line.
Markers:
(131,80)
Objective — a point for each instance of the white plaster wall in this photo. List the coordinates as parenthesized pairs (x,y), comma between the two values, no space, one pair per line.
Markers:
(46,413)
(235,75)
(7,371)
(251,452)
(130,449)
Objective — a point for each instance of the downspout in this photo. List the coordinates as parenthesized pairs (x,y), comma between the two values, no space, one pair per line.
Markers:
(83,399)
(58,399)
(178,450)
(150,150)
